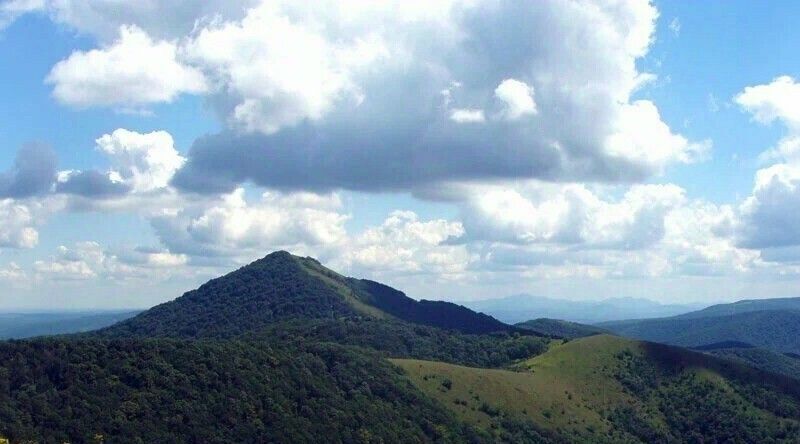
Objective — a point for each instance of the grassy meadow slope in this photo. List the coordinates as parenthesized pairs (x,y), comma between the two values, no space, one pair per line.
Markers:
(608,389)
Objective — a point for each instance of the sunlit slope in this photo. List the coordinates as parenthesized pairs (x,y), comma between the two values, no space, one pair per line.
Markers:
(608,389)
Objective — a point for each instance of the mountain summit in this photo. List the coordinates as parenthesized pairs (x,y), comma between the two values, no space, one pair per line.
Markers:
(282,287)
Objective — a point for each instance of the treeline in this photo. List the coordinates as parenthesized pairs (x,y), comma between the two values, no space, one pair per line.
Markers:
(400,339)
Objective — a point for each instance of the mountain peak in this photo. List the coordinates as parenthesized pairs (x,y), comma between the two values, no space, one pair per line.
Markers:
(281,287)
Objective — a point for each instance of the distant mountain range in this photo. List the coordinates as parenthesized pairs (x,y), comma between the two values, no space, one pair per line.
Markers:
(523,307)
(560,329)
(764,333)
(27,325)
(770,323)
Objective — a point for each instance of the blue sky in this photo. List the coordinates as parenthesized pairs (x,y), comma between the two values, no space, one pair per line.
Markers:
(456,151)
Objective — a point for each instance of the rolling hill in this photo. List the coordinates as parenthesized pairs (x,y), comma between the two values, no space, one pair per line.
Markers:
(777,330)
(560,329)
(608,389)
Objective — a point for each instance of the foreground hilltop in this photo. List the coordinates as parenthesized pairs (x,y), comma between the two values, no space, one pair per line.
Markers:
(609,389)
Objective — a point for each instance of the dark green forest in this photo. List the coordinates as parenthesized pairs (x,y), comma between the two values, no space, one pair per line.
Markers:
(205,391)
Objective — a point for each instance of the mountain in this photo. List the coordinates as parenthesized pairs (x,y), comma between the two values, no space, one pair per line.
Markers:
(777,330)
(26,325)
(522,307)
(560,329)
(605,389)
(784,363)
(744,306)
(282,287)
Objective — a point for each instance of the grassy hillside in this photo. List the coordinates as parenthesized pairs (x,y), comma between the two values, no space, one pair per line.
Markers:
(560,329)
(608,389)
(283,287)
(26,325)
(778,330)
(171,391)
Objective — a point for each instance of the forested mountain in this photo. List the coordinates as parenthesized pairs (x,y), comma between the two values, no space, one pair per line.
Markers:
(172,391)
(285,350)
(560,329)
(283,287)
(745,306)
(784,363)
(26,325)
(777,330)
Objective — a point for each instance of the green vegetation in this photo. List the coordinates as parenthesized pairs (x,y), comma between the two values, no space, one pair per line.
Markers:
(282,287)
(560,329)
(777,330)
(401,339)
(762,359)
(607,389)
(745,306)
(201,391)
(285,350)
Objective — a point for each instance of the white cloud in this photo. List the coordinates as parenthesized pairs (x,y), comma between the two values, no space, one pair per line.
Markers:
(72,264)
(145,162)
(675,26)
(133,71)
(17,222)
(11,9)
(12,273)
(339,93)
(164,20)
(88,260)
(778,100)
(283,71)
(403,244)
(769,214)
(518,98)
(642,136)
(534,213)
(466,115)
(233,228)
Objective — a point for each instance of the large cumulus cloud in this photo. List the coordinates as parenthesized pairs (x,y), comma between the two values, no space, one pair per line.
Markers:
(396,95)
(769,214)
